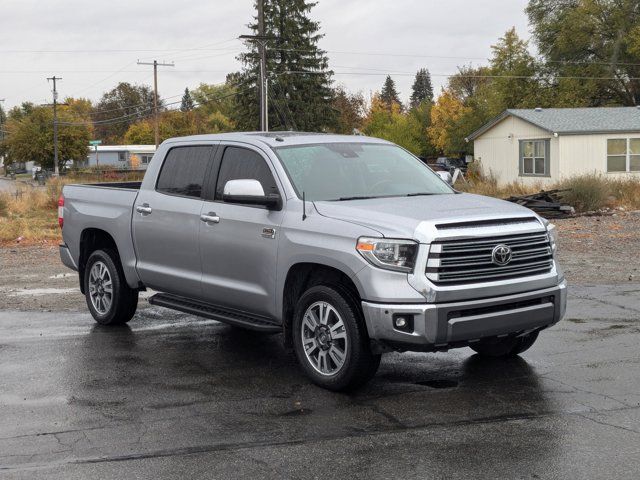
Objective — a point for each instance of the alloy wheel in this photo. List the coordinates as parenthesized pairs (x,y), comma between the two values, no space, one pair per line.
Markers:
(324,338)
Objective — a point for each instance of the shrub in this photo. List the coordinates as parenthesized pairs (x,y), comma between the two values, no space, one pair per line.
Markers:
(586,192)
(4,206)
(625,192)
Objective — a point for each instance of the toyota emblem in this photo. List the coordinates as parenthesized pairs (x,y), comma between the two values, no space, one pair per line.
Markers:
(501,254)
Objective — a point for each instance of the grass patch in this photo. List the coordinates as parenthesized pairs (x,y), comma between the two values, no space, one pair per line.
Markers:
(31,216)
(28,217)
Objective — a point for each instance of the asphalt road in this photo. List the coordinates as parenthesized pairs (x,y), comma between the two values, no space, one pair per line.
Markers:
(173,396)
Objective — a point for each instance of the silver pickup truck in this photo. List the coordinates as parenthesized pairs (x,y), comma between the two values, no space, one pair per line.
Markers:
(349,246)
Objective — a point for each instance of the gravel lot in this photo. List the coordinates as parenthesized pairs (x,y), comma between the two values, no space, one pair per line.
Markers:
(593,250)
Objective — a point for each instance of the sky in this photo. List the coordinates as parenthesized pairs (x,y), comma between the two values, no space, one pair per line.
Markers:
(95,45)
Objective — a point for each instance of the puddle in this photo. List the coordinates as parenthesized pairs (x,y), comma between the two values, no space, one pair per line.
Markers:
(439,383)
(39,292)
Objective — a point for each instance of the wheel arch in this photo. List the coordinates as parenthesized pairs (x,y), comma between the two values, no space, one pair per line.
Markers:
(92,239)
(303,275)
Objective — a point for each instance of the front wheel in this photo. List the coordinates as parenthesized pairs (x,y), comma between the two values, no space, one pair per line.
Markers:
(504,347)
(331,341)
(110,300)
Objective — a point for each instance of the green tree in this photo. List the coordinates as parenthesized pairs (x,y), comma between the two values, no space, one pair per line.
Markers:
(216,98)
(389,94)
(187,102)
(515,83)
(178,124)
(119,108)
(422,88)
(350,108)
(445,116)
(469,81)
(31,136)
(300,94)
(594,40)
(395,126)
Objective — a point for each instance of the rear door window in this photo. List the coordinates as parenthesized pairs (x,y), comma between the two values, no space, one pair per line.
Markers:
(184,170)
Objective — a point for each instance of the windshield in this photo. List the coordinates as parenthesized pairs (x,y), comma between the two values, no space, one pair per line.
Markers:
(347,171)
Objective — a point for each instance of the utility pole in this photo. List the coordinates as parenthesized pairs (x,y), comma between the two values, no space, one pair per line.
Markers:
(261,40)
(156,125)
(55,124)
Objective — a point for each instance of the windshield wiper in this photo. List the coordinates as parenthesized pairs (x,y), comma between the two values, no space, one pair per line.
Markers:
(357,197)
(419,194)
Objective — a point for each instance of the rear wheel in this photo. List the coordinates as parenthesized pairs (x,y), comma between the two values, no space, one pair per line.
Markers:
(110,300)
(330,339)
(504,347)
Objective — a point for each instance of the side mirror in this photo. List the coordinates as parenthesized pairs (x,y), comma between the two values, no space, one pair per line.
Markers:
(249,192)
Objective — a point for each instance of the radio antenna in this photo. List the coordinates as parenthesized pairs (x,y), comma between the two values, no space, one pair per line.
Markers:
(304,207)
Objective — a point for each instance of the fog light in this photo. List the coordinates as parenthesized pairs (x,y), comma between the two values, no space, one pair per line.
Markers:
(403,322)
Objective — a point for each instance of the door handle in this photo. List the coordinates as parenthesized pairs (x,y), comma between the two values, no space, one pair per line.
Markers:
(210,217)
(144,209)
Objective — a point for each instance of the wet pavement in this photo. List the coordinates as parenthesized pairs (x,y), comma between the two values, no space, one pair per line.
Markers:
(175,396)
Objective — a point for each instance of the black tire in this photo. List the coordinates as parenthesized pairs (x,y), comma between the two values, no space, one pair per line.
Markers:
(360,364)
(504,347)
(123,301)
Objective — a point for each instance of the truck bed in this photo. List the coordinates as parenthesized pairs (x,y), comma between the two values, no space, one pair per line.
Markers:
(102,206)
(119,185)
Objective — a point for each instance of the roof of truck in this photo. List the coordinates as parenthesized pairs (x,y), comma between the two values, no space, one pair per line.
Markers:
(279,139)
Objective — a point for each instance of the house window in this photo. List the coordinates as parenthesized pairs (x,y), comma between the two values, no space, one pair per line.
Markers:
(145,159)
(534,158)
(623,155)
(122,156)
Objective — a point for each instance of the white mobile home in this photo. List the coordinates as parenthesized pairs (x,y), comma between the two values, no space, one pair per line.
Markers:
(546,145)
(120,155)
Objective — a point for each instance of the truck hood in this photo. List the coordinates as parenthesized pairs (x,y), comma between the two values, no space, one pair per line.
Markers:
(399,217)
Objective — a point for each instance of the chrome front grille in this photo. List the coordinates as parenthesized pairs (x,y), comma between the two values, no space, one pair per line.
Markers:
(471,260)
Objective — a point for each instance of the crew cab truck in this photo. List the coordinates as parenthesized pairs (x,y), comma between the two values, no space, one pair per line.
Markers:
(349,246)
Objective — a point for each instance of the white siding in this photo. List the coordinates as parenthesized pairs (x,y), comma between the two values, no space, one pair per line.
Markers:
(582,154)
(498,150)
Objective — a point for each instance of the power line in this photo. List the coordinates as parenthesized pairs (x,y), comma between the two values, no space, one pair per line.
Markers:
(460,75)
(117,50)
(128,117)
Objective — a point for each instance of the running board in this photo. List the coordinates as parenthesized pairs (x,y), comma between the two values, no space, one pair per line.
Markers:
(206,310)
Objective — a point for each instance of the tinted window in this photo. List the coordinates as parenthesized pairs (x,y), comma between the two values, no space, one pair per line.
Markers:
(240,163)
(183,171)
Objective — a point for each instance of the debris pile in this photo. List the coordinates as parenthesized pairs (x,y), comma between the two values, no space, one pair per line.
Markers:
(547,203)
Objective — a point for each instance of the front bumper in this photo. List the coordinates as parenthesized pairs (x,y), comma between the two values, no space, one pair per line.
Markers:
(440,326)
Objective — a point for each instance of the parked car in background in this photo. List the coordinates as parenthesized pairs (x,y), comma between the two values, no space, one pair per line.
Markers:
(443,172)
(347,245)
(452,163)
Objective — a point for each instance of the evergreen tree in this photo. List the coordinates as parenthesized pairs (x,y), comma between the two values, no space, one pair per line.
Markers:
(389,95)
(299,88)
(422,88)
(187,102)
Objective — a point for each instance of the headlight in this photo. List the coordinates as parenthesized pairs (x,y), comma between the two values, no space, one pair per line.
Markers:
(390,254)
